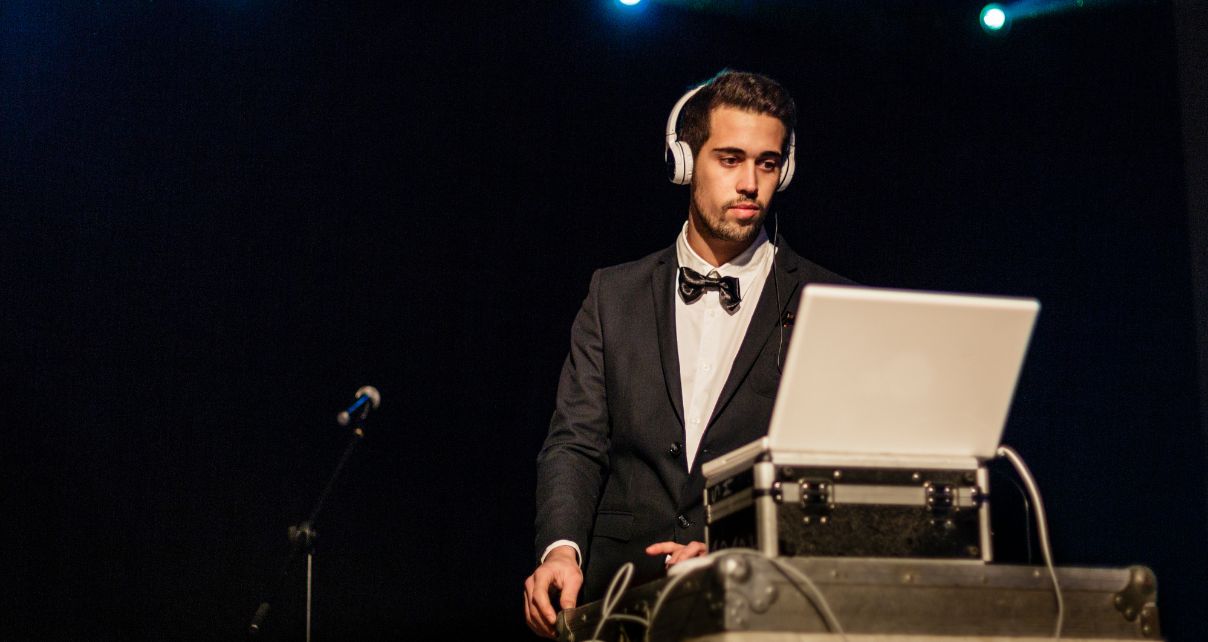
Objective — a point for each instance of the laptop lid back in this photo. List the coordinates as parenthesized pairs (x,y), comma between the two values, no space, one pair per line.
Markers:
(875,374)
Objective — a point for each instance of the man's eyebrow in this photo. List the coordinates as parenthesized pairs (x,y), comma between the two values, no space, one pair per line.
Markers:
(742,152)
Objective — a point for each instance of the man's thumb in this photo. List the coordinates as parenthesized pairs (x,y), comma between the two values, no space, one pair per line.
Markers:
(570,591)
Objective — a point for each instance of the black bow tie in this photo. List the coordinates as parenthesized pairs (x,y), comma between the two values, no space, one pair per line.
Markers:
(692,285)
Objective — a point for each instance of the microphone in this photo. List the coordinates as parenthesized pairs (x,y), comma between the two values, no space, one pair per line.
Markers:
(368,398)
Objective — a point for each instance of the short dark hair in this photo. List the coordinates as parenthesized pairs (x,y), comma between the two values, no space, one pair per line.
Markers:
(742,90)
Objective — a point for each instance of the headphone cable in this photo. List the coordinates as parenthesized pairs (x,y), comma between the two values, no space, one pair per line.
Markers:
(776,286)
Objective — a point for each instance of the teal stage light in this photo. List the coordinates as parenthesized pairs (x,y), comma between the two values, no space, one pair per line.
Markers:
(993,17)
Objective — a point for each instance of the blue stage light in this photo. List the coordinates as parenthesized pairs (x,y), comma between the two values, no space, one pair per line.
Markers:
(993,17)
(629,3)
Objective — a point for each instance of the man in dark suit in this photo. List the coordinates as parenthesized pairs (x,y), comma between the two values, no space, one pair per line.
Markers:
(674,358)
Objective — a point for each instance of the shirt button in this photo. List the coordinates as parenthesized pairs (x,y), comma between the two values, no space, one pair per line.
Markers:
(707,367)
(696,420)
(683,521)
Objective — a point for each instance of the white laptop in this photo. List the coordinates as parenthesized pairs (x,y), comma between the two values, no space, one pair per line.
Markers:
(898,378)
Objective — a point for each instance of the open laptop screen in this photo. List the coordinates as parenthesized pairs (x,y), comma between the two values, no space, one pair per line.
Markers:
(887,373)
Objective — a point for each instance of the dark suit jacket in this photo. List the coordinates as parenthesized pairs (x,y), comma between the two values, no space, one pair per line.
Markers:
(612,476)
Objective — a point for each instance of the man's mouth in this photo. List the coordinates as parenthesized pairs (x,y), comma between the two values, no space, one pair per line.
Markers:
(744,205)
(745,211)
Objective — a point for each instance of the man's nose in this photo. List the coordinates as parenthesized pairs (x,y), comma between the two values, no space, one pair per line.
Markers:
(747,185)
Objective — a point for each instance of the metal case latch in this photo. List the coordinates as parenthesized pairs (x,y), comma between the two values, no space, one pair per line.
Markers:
(941,499)
(815,500)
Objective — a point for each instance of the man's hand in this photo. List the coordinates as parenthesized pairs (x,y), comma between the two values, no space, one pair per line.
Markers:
(560,570)
(677,552)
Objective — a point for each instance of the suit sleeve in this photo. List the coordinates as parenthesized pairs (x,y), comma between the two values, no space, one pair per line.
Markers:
(572,465)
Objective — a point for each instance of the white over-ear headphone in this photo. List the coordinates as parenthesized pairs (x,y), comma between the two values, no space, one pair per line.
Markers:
(679,153)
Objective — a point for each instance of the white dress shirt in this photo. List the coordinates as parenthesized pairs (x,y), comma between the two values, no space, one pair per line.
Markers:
(709,336)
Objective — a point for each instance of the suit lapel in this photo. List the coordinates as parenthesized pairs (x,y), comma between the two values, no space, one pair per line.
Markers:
(765,320)
(661,280)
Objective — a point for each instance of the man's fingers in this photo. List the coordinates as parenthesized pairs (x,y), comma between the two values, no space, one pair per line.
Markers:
(537,625)
(663,548)
(677,552)
(532,616)
(693,549)
(528,612)
(541,597)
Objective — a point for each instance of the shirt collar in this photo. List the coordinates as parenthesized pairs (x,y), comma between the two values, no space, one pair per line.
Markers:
(746,264)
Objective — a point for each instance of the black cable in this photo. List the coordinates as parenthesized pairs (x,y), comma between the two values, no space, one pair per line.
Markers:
(776,287)
(1027,509)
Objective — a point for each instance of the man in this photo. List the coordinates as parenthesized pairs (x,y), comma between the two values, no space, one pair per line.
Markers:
(674,359)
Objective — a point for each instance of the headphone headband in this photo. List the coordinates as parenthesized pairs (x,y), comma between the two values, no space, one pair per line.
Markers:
(673,119)
(679,154)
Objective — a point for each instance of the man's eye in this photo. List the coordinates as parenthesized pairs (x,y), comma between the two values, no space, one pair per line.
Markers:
(770,165)
(729,160)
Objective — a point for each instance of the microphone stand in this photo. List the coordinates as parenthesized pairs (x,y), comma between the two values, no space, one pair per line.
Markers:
(302,538)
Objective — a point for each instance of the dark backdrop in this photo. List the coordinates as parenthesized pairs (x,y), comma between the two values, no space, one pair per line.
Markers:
(222,217)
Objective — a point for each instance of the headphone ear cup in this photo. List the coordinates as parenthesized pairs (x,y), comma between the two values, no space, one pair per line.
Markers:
(790,164)
(786,173)
(679,162)
(679,154)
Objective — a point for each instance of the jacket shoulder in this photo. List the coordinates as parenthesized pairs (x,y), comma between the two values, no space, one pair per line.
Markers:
(815,273)
(811,272)
(638,270)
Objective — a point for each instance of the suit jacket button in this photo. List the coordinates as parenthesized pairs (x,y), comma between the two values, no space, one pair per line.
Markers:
(675,449)
(683,521)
